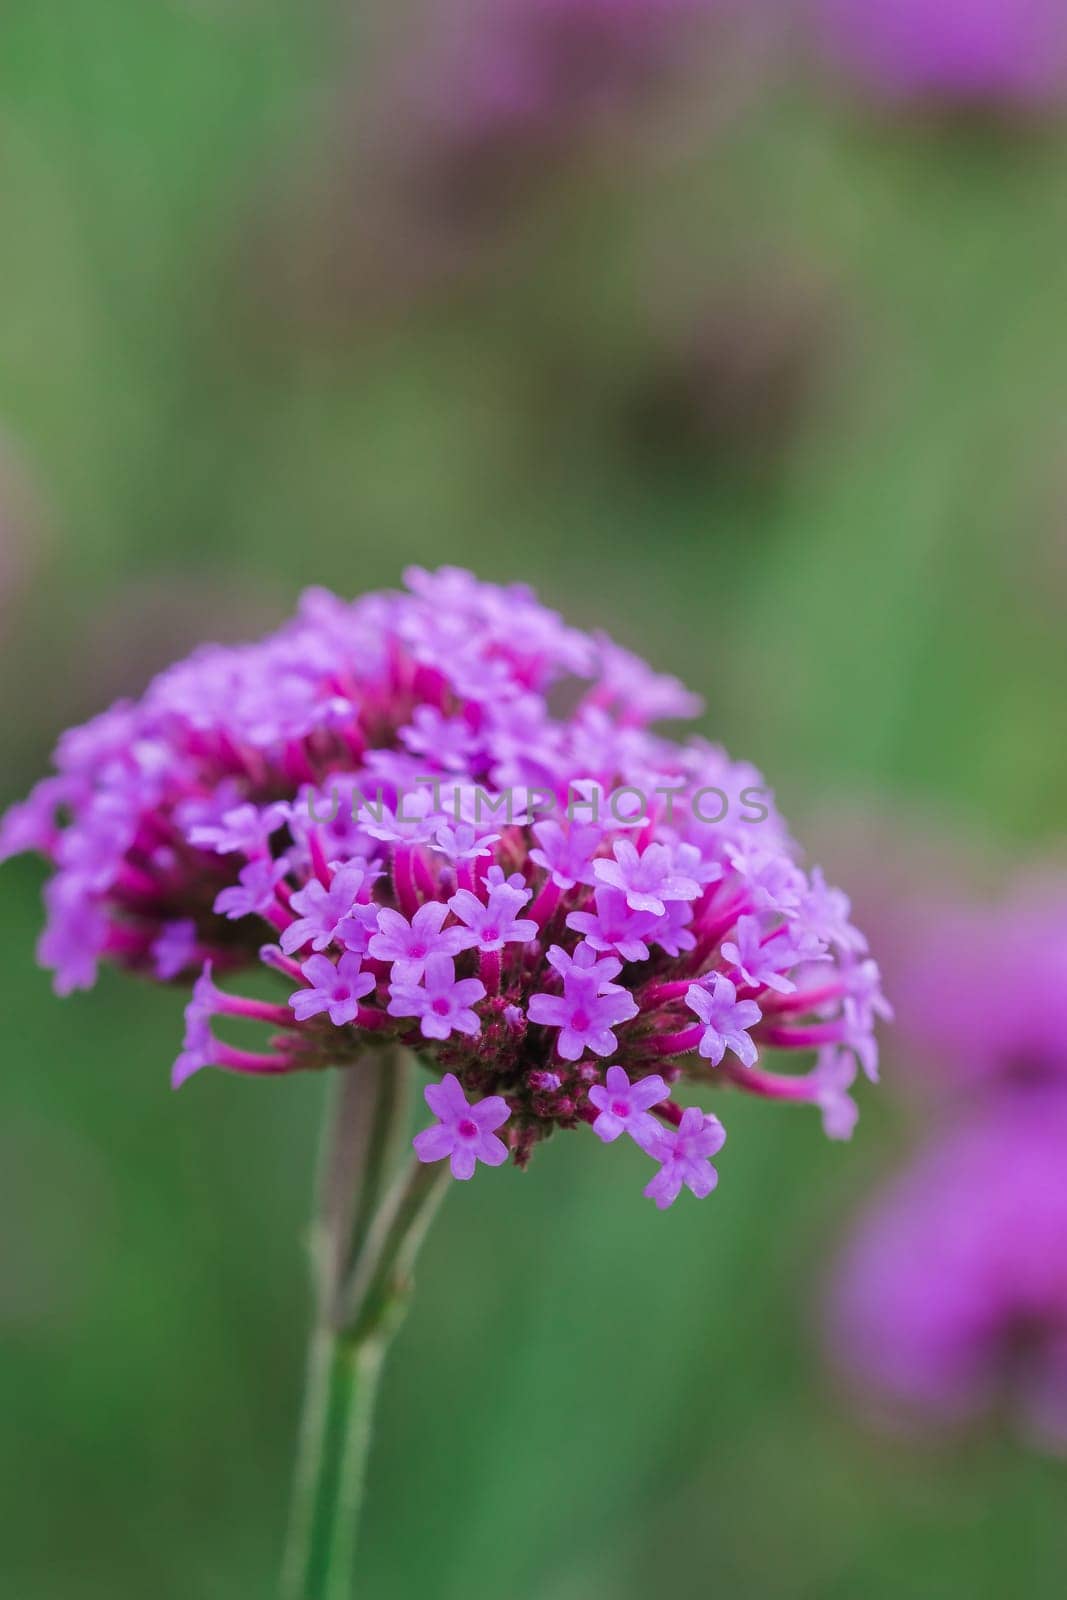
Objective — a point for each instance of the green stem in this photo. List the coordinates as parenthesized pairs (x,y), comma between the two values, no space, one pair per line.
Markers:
(365,1244)
(339,1408)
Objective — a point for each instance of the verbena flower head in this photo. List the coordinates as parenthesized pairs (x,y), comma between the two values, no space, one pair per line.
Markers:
(952,1296)
(566,915)
(966,52)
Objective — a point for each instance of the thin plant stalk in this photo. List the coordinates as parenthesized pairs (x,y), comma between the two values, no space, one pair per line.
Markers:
(371,1221)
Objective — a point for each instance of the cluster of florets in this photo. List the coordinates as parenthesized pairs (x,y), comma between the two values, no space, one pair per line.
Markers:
(563,914)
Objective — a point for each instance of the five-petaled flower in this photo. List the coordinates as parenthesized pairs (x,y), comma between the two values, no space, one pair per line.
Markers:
(726,1020)
(443,1003)
(463,1132)
(624,1107)
(585,1013)
(337,990)
(647,879)
(685,1155)
(409,945)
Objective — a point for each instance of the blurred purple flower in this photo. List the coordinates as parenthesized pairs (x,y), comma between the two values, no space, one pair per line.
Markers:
(969,52)
(952,1294)
(983,995)
(542,69)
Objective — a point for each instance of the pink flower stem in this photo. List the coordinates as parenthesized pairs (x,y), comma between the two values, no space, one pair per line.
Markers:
(660,994)
(253,1061)
(404,881)
(810,1038)
(271,956)
(768,1085)
(423,875)
(489,971)
(465,876)
(235,1005)
(318,858)
(544,907)
(677,1044)
(712,932)
(803,1000)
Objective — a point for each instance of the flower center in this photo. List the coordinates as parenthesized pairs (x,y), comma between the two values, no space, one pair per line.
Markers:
(580,1021)
(418,950)
(467,1129)
(490,934)
(440,1006)
(620,1108)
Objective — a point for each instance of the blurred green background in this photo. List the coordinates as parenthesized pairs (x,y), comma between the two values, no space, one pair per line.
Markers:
(777,396)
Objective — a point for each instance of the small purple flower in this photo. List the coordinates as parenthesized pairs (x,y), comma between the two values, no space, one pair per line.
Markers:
(584,1016)
(448,741)
(567,854)
(463,842)
(624,1107)
(75,937)
(494,925)
(323,910)
(253,894)
(356,930)
(726,1020)
(93,850)
(175,950)
(585,963)
(198,1043)
(244,830)
(672,931)
(614,927)
(443,1004)
(824,914)
(685,1155)
(832,1078)
(760,963)
(31,824)
(648,880)
(334,989)
(865,1000)
(414,821)
(773,882)
(465,1133)
(409,945)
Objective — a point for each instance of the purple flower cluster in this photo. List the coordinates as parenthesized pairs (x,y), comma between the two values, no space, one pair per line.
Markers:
(312,803)
(969,52)
(951,1297)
